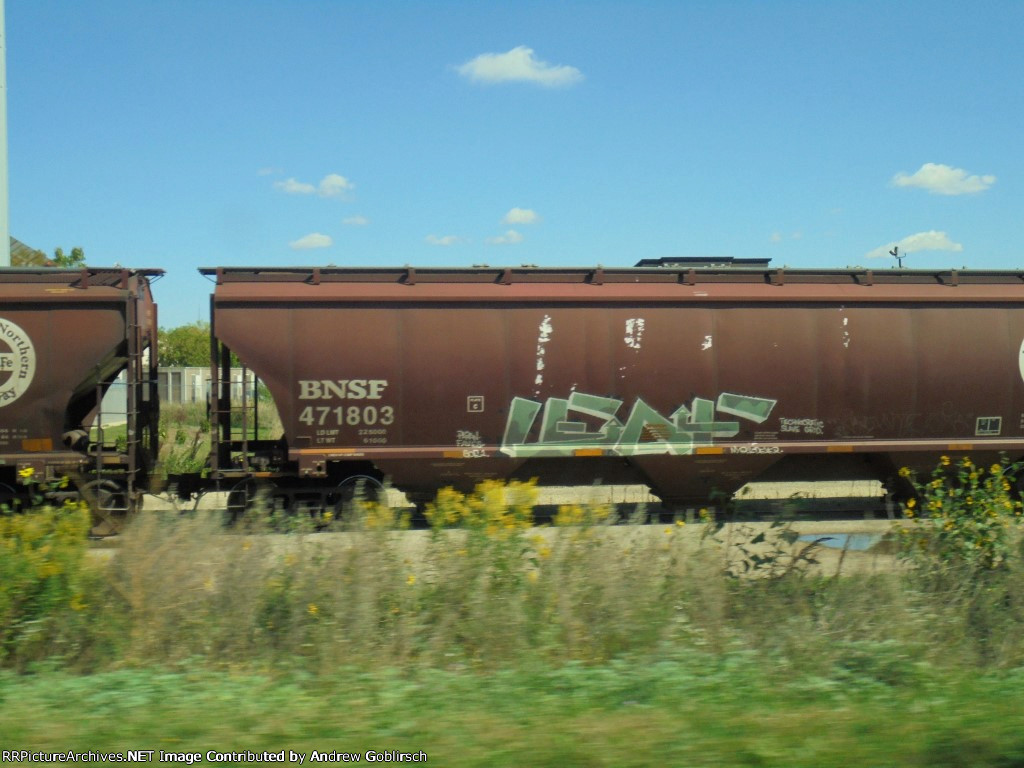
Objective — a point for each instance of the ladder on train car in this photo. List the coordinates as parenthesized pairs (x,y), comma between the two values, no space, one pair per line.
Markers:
(112,493)
(233,443)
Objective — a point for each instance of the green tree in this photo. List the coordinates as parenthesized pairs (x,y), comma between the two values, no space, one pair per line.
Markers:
(74,259)
(186,345)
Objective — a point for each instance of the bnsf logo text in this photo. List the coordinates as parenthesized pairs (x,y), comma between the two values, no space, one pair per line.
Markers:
(342,389)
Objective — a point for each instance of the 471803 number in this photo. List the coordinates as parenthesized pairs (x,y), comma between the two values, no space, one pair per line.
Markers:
(351,415)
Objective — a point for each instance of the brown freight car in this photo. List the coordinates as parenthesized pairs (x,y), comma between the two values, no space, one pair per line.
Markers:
(65,335)
(688,380)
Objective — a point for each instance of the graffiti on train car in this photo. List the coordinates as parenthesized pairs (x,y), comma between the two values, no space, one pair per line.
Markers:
(592,421)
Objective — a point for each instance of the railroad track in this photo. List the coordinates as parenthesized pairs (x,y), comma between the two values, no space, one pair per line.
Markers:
(826,502)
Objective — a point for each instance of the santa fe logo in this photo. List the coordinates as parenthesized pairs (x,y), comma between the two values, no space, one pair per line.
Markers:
(17,362)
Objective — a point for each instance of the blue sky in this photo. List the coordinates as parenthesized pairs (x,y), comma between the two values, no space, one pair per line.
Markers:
(256,133)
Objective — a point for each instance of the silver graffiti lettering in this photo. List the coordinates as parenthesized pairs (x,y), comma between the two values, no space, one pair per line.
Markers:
(592,421)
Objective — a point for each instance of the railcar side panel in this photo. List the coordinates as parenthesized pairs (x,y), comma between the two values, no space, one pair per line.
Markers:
(681,386)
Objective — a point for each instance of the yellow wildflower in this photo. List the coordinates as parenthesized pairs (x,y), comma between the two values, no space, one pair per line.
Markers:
(904,471)
(944,460)
(313,609)
(680,523)
(26,473)
(411,579)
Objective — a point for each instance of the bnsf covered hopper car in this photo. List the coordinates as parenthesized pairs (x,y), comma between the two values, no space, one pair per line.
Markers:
(65,335)
(686,380)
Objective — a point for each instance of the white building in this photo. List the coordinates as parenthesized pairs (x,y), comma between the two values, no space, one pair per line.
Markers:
(192,385)
(174,385)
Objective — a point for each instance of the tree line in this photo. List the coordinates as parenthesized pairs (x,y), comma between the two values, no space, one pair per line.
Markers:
(185,346)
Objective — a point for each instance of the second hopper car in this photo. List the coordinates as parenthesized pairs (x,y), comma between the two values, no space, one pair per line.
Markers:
(686,380)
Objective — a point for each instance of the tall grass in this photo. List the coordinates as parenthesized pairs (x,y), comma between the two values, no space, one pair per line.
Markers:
(185,433)
(481,588)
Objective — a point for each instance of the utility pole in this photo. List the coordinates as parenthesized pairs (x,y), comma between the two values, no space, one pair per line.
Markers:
(5,227)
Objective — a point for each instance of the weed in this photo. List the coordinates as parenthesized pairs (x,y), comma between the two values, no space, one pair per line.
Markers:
(962,548)
(962,516)
(482,588)
(46,584)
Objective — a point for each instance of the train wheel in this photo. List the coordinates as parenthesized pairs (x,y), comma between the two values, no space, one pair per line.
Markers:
(356,487)
(110,505)
(9,499)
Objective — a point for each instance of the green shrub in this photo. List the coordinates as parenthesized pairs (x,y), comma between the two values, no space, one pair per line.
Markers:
(45,582)
(963,516)
(962,549)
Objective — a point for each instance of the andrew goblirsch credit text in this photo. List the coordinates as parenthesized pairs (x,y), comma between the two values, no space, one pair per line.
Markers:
(211,756)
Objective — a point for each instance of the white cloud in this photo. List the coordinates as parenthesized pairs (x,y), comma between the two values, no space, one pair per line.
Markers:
(333,185)
(521,216)
(509,238)
(944,180)
(313,240)
(518,65)
(293,187)
(355,221)
(444,240)
(922,241)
